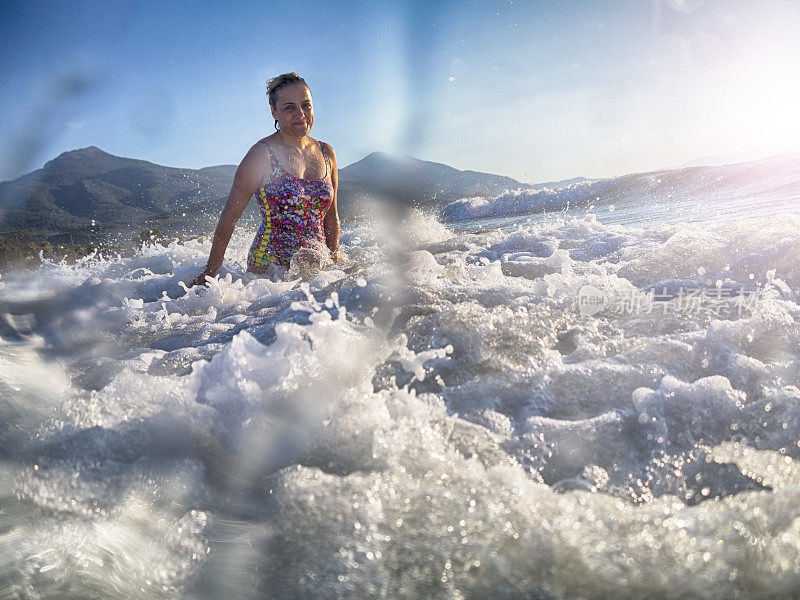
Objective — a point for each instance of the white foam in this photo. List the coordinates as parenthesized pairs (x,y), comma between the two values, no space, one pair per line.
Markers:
(428,419)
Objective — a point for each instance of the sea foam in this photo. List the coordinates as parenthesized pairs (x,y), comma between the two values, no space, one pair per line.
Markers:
(434,417)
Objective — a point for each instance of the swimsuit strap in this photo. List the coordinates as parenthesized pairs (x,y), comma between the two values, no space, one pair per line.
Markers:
(327,160)
(273,160)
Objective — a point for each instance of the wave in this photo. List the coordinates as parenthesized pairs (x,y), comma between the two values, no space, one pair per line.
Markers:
(562,410)
(770,182)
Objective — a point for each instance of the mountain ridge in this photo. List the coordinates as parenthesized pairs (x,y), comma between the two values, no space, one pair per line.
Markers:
(88,189)
(90,192)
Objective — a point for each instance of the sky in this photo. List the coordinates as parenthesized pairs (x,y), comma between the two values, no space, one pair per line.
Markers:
(536,90)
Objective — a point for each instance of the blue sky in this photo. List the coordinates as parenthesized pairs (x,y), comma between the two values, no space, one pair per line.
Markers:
(536,90)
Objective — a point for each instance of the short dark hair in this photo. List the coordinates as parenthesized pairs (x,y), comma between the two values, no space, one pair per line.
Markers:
(274,84)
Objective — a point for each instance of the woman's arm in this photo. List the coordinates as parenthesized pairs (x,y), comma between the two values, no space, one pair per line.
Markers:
(331,220)
(245,183)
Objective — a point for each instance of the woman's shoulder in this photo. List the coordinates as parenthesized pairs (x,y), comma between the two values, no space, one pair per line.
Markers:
(260,150)
(265,142)
(254,164)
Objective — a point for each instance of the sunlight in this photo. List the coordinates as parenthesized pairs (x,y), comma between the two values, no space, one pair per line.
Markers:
(763,93)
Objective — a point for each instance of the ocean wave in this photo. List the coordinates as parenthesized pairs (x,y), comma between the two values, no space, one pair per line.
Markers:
(522,201)
(560,410)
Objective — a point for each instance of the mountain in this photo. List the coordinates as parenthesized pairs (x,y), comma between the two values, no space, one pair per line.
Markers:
(225,170)
(558,184)
(90,192)
(405,181)
(88,195)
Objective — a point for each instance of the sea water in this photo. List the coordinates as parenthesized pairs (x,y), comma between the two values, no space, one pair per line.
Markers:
(563,407)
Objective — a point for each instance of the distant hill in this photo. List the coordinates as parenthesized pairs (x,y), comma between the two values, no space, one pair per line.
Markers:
(406,181)
(88,195)
(226,170)
(553,184)
(92,194)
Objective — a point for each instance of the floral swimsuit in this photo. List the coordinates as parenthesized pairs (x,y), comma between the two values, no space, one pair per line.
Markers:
(292,210)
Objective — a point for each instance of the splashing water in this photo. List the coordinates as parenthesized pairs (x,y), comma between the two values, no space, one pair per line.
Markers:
(441,416)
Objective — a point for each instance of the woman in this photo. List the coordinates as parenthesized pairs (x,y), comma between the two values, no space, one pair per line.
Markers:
(294,179)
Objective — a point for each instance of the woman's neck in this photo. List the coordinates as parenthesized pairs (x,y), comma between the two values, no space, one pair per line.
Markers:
(294,142)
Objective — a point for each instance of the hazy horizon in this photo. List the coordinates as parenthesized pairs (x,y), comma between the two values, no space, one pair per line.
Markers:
(709,161)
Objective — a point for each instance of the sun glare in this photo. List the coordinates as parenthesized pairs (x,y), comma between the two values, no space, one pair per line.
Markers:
(763,94)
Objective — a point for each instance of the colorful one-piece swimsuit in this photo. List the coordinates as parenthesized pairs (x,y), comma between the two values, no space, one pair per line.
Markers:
(292,210)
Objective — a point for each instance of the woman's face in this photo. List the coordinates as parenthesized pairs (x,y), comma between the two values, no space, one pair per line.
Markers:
(294,110)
